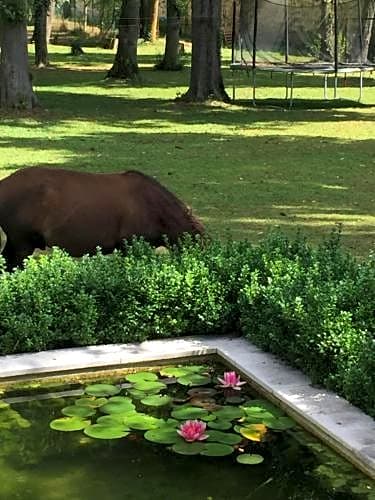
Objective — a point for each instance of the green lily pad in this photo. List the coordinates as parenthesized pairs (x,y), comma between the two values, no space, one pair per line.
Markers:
(102,390)
(266,405)
(208,418)
(69,424)
(123,406)
(156,400)
(141,376)
(280,423)
(222,425)
(174,371)
(185,448)
(169,423)
(3,404)
(78,411)
(147,386)
(100,431)
(162,435)
(249,459)
(142,422)
(229,413)
(91,402)
(223,437)
(115,420)
(193,379)
(137,394)
(195,368)
(189,413)
(216,450)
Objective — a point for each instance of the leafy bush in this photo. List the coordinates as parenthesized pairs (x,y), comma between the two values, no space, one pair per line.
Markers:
(314,307)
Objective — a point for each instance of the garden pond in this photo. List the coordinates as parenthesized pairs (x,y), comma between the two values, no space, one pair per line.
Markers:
(182,432)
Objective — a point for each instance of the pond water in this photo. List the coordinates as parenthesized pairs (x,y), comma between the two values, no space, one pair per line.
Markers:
(38,462)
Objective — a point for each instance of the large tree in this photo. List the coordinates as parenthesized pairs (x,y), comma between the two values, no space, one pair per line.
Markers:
(126,65)
(171,60)
(40,35)
(15,81)
(206,81)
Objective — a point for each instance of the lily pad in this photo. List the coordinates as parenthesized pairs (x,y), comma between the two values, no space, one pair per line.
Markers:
(91,402)
(123,406)
(223,437)
(216,450)
(254,432)
(193,379)
(202,392)
(280,423)
(266,405)
(3,404)
(102,390)
(189,413)
(185,448)
(141,376)
(170,423)
(78,411)
(142,422)
(195,368)
(249,459)
(137,394)
(222,425)
(156,400)
(100,431)
(204,402)
(116,420)
(69,424)
(147,386)
(162,435)
(234,400)
(174,371)
(229,413)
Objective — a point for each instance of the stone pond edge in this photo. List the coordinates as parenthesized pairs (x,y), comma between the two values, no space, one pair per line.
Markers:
(326,415)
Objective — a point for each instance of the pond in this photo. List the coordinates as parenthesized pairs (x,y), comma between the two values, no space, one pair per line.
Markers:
(180,433)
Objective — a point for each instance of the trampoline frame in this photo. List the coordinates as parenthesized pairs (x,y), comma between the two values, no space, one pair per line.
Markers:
(326,69)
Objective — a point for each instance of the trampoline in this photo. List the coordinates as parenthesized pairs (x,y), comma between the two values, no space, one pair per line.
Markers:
(316,37)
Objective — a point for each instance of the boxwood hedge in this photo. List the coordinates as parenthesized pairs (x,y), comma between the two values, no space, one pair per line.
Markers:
(312,306)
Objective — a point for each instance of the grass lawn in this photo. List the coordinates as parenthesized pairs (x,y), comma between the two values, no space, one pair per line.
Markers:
(243,170)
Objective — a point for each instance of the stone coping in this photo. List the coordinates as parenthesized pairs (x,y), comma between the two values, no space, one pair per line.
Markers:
(329,417)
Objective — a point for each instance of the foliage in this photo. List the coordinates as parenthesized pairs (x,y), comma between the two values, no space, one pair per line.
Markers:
(14,10)
(311,306)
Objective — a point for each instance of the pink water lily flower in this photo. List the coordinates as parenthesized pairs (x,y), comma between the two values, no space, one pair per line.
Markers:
(231,380)
(193,430)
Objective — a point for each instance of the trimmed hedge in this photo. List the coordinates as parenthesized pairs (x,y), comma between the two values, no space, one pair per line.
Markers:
(314,307)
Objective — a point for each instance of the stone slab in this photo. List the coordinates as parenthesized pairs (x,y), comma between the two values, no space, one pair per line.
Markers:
(331,418)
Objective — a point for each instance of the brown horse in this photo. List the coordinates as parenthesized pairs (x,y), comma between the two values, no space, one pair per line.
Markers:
(45,207)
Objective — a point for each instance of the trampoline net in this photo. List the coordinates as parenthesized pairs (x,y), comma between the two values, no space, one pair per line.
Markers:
(305,32)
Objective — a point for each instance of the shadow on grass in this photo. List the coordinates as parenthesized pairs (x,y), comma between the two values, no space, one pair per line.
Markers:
(239,187)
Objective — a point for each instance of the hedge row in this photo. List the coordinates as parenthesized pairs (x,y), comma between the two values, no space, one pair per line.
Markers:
(314,307)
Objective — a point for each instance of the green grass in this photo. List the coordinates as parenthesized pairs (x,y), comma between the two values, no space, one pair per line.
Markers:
(243,170)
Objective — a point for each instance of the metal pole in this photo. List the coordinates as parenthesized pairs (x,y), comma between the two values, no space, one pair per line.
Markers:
(255,33)
(286,21)
(234,27)
(336,47)
(360,30)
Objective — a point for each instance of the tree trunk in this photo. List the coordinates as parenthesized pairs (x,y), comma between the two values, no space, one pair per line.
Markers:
(40,33)
(50,18)
(155,21)
(15,81)
(145,15)
(126,65)
(171,58)
(368,15)
(327,32)
(206,81)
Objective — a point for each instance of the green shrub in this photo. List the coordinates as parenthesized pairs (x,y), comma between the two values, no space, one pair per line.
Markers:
(314,307)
